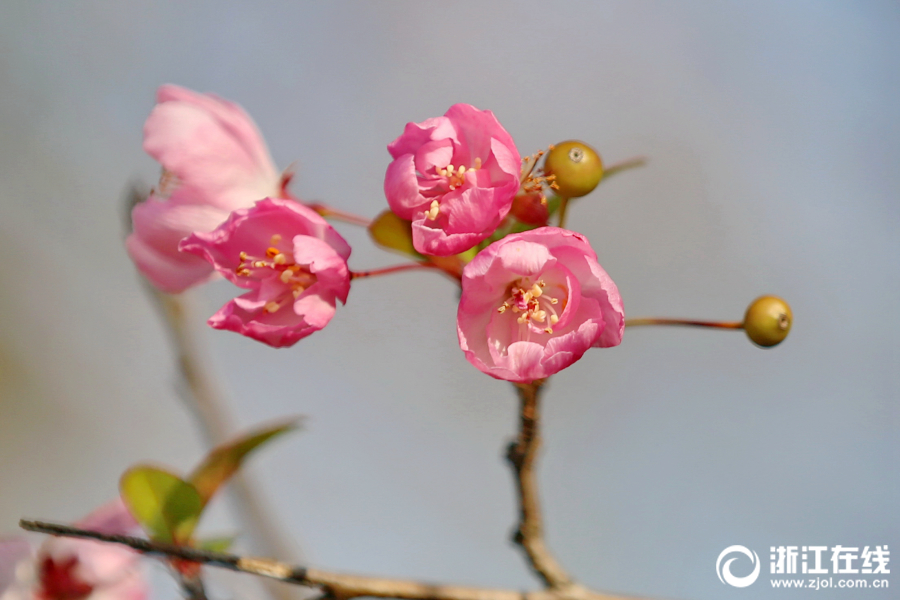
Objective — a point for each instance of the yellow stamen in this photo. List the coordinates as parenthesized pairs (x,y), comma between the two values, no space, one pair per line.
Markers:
(434,210)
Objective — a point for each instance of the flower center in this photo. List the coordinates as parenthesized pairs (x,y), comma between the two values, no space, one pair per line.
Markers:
(59,581)
(531,304)
(277,263)
(456,177)
(168,181)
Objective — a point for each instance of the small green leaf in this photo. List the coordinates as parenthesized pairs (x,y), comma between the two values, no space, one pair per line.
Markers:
(222,462)
(390,231)
(166,506)
(216,544)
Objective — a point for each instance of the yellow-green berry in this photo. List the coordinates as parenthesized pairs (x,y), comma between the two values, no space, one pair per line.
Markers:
(576,166)
(768,321)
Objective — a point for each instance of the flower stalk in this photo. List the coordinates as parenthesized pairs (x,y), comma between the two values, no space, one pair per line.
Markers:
(522,455)
(393,269)
(685,322)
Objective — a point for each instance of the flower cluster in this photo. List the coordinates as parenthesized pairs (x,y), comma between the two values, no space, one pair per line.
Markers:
(222,208)
(532,303)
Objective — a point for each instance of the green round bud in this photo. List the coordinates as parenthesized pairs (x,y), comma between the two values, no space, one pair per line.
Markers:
(768,321)
(577,167)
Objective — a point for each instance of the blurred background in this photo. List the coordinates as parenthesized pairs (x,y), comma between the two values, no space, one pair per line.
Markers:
(773,134)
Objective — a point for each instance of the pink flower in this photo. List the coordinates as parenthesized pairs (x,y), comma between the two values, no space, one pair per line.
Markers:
(534,302)
(454,177)
(214,161)
(293,262)
(73,569)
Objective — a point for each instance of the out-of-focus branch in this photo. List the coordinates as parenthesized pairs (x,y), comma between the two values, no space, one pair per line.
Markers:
(204,400)
(522,454)
(335,585)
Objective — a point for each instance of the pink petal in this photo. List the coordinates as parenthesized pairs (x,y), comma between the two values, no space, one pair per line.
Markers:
(435,154)
(112,518)
(12,551)
(416,134)
(170,274)
(212,146)
(401,188)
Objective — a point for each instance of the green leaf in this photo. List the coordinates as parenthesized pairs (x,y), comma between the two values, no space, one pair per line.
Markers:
(224,461)
(390,231)
(166,506)
(216,544)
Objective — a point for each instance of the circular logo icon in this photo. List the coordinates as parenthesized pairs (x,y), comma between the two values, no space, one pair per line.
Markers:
(724,570)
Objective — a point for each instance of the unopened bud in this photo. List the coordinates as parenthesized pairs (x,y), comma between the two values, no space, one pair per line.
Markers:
(768,321)
(531,208)
(576,166)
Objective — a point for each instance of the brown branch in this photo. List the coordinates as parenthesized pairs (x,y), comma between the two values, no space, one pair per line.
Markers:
(522,454)
(334,585)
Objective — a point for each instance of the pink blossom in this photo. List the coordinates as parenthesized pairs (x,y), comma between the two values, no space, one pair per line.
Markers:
(214,161)
(534,302)
(454,177)
(73,569)
(291,260)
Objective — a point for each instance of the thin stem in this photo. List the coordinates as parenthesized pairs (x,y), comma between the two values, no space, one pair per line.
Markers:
(563,205)
(335,585)
(339,215)
(685,322)
(393,269)
(192,586)
(522,454)
(624,165)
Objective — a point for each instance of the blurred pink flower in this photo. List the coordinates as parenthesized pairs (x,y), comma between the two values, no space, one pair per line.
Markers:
(534,302)
(214,161)
(73,569)
(454,177)
(294,263)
